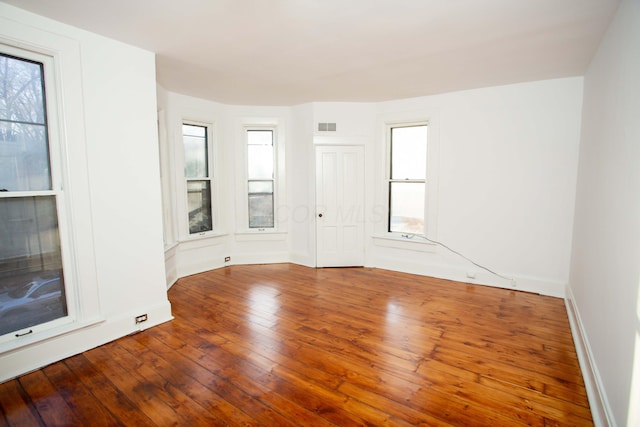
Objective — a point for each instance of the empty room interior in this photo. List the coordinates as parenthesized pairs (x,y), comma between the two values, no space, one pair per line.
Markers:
(306,212)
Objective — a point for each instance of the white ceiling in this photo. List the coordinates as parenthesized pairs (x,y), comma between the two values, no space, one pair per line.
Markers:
(287,52)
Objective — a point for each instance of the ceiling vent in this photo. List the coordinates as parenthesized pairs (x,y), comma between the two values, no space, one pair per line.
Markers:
(326,127)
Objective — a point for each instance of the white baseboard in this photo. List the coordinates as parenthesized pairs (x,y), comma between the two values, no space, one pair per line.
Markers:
(460,274)
(302,259)
(170,265)
(600,409)
(26,359)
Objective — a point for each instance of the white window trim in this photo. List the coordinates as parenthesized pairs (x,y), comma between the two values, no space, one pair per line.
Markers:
(381,236)
(388,128)
(212,177)
(166,162)
(69,176)
(242,205)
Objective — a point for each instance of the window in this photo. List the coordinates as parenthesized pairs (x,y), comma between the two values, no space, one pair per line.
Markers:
(407,173)
(198,176)
(32,285)
(260,177)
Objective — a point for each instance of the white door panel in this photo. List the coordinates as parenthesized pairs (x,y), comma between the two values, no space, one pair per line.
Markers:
(340,206)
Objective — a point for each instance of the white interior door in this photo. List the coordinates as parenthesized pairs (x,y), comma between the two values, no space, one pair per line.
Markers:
(339,206)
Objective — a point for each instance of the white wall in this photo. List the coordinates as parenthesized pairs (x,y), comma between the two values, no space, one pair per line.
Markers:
(506,172)
(301,194)
(605,267)
(108,104)
(507,163)
(355,125)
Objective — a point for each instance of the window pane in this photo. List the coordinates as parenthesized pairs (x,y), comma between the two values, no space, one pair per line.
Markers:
(24,150)
(260,164)
(31,280)
(21,90)
(261,211)
(199,206)
(406,207)
(193,130)
(196,159)
(409,152)
(260,154)
(260,137)
(24,157)
(260,187)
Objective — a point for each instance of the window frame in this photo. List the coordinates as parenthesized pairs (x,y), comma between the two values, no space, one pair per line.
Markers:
(429,216)
(274,176)
(211,173)
(55,140)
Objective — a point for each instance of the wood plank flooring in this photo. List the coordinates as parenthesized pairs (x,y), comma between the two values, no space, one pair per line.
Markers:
(285,345)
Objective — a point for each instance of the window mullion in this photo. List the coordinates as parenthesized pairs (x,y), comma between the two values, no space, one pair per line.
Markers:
(10,194)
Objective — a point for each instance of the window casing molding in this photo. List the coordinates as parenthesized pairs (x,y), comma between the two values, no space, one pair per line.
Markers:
(61,61)
(211,179)
(382,235)
(417,179)
(167,184)
(242,194)
(254,179)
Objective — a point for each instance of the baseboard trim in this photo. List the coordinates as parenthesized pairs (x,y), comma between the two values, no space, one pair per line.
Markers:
(26,359)
(170,265)
(302,259)
(600,409)
(481,276)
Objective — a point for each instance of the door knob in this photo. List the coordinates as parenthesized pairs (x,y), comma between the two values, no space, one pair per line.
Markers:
(320,215)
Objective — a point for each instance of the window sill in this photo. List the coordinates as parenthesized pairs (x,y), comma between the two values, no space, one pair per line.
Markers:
(408,243)
(47,333)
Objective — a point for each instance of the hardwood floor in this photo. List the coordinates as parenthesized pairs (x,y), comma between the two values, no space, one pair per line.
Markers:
(285,345)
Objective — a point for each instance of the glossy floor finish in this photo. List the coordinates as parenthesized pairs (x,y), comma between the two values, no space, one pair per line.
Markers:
(285,345)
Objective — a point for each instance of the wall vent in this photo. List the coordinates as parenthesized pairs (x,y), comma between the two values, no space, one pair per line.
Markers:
(326,127)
